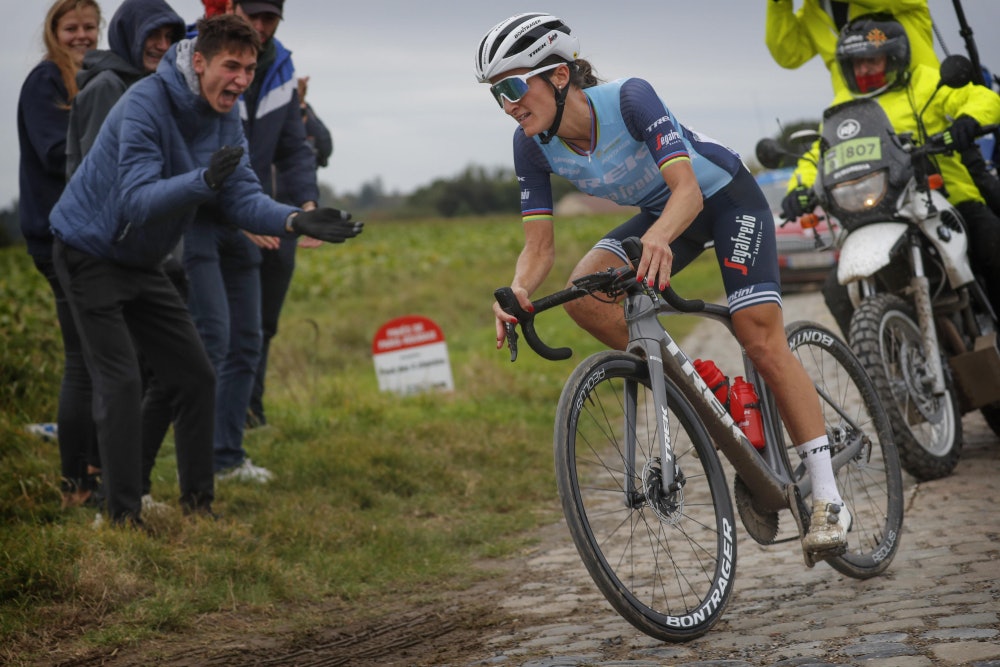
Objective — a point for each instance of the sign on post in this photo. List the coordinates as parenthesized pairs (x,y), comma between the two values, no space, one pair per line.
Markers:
(411,356)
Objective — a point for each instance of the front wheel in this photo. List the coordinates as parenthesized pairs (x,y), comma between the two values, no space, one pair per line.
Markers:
(928,428)
(866,463)
(664,560)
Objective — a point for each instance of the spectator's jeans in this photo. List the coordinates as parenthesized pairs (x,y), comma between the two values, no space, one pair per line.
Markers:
(77,432)
(276,269)
(117,308)
(223,270)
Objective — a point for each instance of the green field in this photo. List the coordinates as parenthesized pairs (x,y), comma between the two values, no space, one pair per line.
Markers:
(373,493)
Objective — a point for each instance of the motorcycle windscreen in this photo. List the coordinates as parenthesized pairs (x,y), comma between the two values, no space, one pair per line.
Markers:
(862,166)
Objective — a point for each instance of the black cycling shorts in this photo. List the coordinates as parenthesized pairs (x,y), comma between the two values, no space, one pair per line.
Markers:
(737,221)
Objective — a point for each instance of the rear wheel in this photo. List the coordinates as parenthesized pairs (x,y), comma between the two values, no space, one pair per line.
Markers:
(928,428)
(866,463)
(664,560)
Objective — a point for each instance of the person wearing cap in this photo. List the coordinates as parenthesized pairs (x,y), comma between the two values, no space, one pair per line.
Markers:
(619,141)
(223,263)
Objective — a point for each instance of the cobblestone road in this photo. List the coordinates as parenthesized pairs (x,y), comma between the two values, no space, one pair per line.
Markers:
(939,603)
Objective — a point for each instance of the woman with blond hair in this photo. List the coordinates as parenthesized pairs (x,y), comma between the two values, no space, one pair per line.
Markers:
(71,29)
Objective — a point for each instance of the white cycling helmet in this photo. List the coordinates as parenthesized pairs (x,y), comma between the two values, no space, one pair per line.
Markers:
(524,41)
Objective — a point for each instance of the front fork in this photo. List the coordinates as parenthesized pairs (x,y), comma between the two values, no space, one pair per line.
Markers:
(665,449)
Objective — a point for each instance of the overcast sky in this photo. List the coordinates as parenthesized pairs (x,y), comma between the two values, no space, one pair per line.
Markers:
(394,79)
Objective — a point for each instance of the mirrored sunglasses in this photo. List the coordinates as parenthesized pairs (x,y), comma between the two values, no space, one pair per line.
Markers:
(513,88)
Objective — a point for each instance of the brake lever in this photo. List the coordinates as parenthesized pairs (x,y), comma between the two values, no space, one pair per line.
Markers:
(511,329)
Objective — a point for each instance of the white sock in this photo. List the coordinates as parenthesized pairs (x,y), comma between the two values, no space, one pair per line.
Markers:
(816,454)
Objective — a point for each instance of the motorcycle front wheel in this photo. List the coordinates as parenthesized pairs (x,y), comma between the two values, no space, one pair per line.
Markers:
(886,338)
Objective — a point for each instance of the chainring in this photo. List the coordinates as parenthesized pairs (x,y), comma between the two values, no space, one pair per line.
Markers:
(762,526)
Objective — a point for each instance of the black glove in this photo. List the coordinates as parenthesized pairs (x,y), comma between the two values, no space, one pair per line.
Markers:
(222,164)
(326,224)
(798,202)
(962,133)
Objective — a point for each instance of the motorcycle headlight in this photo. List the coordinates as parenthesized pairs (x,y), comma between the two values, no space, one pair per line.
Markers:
(862,194)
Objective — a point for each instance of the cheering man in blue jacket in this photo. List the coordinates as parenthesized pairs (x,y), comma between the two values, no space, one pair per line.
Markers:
(223,264)
(172,143)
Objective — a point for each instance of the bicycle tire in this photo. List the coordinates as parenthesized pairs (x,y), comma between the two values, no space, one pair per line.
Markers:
(871,483)
(665,564)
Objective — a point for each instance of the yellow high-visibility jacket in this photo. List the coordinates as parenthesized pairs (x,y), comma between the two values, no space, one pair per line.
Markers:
(795,37)
(902,105)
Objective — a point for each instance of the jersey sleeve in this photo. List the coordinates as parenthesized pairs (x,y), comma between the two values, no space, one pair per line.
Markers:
(533,171)
(648,120)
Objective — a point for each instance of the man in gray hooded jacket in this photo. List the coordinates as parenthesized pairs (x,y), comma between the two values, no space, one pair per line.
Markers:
(172,143)
(139,34)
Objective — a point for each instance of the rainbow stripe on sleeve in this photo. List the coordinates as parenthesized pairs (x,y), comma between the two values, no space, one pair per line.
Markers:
(672,158)
(536,214)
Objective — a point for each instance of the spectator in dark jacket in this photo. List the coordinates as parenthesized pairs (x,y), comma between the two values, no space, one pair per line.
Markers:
(140,33)
(277,266)
(173,143)
(71,30)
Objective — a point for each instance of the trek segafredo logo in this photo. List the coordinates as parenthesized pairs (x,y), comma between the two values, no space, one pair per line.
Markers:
(746,243)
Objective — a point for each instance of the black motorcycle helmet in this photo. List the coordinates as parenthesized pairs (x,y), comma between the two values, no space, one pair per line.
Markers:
(870,36)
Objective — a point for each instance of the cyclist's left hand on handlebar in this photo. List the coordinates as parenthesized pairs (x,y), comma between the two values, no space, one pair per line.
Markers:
(962,133)
(798,202)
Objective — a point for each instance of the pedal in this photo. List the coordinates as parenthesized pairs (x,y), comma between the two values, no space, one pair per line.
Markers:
(801,514)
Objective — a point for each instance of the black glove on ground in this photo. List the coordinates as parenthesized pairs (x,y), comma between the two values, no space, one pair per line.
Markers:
(222,164)
(798,202)
(326,224)
(963,133)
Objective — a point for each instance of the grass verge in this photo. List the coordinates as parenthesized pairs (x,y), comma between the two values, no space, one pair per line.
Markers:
(374,493)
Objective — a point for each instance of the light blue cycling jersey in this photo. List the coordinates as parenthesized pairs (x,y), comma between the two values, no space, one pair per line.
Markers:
(636,136)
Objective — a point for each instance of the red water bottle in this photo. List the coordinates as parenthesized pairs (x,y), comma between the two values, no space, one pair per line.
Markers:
(745,408)
(714,378)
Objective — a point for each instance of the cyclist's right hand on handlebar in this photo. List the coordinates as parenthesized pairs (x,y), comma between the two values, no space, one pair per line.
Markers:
(504,318)
(798,202)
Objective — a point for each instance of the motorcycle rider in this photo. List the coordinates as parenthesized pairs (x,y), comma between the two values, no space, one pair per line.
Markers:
(795,37)
(873,54)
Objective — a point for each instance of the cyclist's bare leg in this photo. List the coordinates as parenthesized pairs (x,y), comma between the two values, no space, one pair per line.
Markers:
(604,321)
(760,329)
(761,332)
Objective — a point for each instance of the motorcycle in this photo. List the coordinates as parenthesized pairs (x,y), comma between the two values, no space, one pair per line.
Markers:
(923,326)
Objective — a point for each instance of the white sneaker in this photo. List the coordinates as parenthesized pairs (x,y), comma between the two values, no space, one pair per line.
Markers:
(828,529)
(48,431)
(150,506)
(246,472)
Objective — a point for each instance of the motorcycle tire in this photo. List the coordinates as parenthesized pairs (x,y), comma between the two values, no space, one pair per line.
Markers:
(886,338)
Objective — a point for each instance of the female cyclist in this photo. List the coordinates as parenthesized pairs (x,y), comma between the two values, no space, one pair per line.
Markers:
(619,141)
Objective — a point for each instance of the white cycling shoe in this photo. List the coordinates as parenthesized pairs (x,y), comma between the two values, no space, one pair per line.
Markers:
(828,528)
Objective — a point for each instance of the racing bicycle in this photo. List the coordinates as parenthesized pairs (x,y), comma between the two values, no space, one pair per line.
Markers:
(642,486)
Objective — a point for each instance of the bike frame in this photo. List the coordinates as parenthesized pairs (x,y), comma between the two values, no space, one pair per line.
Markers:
(767,474)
